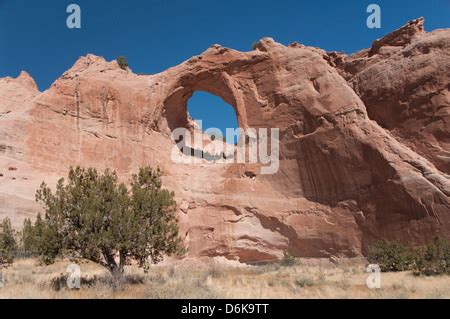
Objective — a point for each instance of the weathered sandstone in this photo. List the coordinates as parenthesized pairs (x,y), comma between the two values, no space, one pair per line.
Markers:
(404,81)
(350,171)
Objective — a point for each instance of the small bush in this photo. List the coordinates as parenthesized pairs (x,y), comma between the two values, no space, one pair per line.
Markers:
(123,63)
(304,282)
(59,282)
(255,45)
(392,256)
(435,259)
(288,260)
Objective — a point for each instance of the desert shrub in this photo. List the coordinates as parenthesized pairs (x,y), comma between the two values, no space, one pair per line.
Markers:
(288,260)
(95,217)
(304,282)
(59,282)
(392,256)
(122,62)
(435,259)
(8,244)
(255,45)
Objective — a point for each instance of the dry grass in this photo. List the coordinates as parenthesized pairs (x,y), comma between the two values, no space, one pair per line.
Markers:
(28,279)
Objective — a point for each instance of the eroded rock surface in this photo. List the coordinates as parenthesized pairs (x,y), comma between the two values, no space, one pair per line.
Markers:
(344,180)
(404,81)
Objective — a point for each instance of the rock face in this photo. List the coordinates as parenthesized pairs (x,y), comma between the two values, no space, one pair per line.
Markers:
(346,176)
(404,81)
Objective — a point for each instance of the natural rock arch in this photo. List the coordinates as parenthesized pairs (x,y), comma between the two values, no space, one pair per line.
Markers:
(175,105)
(344,182)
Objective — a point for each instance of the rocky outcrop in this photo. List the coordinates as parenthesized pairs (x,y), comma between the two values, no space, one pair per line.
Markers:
(404,82)
(343,182)
(16,185)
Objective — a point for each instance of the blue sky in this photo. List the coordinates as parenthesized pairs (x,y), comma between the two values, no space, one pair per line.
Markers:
(157,34)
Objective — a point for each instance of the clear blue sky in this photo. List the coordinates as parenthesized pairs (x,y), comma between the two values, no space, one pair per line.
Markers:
(157,34)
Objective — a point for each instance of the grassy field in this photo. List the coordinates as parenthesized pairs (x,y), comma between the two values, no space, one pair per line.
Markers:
(27,279)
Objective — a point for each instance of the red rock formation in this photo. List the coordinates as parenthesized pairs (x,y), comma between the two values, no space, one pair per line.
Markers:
(404,81)
(343,183)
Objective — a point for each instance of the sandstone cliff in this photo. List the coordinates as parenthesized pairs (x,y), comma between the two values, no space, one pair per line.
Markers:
(357,134)
(404,81)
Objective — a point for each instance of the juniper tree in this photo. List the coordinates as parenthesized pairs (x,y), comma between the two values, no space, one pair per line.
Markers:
(33,236)
(27,241)
(392,256)
(435,259)
(95,217)
(8,245)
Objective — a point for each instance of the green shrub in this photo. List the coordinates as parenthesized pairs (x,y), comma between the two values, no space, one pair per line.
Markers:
(31,237)
(288,260)
(123,63)
(255,45)
(392,256)
(95,217)
(304,282)
(435,259)
(8,245)
(27,236)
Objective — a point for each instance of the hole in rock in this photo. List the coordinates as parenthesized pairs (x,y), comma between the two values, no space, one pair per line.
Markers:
(215,114)
(204,125)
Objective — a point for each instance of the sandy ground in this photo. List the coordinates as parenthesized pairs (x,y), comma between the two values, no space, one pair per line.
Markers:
(27,279)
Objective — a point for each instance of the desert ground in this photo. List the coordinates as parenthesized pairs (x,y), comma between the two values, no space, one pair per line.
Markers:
(26,278)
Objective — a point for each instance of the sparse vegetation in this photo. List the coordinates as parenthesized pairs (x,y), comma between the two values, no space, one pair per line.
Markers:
(95,217)
(435,260)
(185,279)
(304,282)
(123,63)
(392,256)
(288,260)
(8,244)
(255,45)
